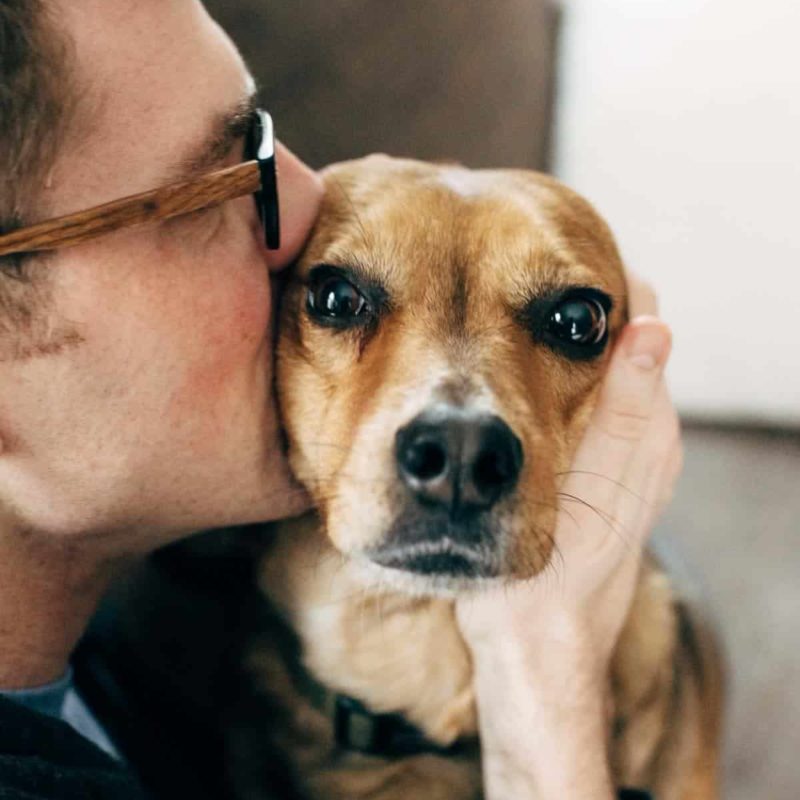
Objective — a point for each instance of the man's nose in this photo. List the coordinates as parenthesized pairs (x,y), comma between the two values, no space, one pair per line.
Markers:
(299,194)
(457,460)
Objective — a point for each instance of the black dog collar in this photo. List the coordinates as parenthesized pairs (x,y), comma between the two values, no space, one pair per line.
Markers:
(389,735)
(358,729)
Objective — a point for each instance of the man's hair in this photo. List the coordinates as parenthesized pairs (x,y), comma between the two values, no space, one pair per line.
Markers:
(34,105)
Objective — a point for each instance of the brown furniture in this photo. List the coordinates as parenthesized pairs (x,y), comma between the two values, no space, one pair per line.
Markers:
(459,80)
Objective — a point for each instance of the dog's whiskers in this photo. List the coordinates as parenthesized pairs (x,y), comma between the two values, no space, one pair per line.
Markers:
(604,477)
(611,521)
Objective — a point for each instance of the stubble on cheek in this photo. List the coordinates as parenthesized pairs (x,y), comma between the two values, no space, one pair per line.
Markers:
(29,325)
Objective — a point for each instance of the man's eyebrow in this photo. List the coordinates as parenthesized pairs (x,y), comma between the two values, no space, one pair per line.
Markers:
(226,129)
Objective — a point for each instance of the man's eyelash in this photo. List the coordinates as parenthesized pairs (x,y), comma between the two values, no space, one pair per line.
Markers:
(193,215)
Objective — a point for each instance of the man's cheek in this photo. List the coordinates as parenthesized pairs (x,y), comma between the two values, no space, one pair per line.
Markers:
(228,358)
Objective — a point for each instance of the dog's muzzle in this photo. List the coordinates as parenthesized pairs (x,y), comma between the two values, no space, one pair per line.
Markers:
(455,466)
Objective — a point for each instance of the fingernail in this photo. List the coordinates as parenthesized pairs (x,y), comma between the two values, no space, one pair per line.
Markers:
(649,346)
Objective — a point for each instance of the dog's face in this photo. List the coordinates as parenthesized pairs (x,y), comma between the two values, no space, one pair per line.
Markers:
(442,340)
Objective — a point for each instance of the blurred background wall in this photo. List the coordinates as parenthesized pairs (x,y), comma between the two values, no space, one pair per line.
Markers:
(680,119)
(463,80)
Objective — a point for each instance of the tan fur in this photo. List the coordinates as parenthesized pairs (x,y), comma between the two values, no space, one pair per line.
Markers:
(458,252)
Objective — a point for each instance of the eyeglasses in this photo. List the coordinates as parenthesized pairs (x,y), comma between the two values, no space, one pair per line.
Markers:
(257,175)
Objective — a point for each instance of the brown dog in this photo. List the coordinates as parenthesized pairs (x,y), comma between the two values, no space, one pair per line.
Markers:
(442,342)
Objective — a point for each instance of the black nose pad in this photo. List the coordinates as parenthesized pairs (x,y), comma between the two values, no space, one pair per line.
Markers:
(450,458)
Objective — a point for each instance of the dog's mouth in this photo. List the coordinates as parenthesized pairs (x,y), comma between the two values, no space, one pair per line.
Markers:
(433,549)
(443,558)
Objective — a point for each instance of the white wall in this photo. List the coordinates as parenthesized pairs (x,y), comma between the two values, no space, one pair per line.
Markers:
(680,120)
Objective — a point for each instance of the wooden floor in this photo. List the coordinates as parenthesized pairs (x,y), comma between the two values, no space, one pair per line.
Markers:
(733,534)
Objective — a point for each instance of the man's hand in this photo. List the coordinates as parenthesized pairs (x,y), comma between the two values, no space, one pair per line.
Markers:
(541,648)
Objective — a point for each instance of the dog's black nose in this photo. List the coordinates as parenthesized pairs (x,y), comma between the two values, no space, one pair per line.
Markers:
(462,461)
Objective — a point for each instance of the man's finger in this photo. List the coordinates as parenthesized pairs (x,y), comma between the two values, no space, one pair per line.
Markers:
(660,457)
(627,399)
(642,298)
(603,482)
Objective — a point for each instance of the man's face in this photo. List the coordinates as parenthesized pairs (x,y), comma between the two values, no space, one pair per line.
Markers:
(151,407)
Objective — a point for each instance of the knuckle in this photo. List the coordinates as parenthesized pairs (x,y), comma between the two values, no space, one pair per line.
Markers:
(667,446)
(669,464)
(625,424)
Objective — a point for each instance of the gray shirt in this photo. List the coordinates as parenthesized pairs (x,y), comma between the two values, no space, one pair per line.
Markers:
(61,700)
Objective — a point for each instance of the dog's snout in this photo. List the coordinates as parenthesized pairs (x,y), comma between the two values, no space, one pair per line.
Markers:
(457,460)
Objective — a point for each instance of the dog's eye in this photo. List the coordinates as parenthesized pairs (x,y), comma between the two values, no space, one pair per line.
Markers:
(579,321)
(336,298)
